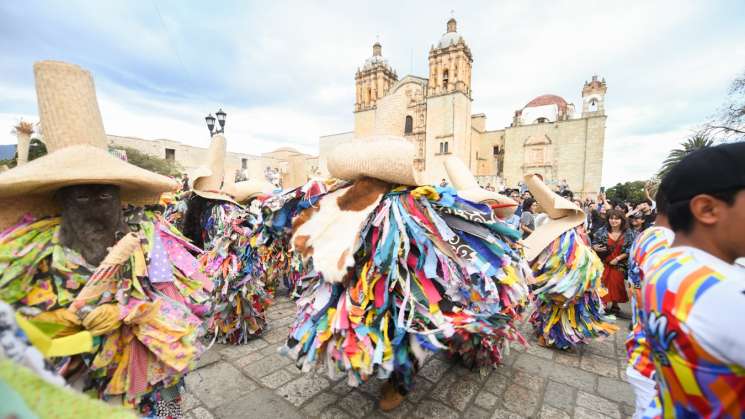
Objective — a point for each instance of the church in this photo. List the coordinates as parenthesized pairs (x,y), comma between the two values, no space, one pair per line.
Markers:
(547,136)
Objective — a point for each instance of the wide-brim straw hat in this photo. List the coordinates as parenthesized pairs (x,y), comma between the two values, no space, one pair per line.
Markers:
(248,189)
(386,158)
(77,150)
(209,179)
(465,183)
(563,213)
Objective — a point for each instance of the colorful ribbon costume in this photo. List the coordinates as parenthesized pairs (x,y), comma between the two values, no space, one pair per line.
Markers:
(569,311)
(143,308)
(231,259)
(431,272)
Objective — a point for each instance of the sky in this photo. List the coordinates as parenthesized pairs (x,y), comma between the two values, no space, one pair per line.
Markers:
(284,71)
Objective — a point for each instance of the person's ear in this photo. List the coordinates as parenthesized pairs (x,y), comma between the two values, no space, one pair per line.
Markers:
(706,209)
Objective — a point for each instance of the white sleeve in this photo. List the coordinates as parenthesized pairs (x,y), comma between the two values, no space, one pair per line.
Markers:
(717,320)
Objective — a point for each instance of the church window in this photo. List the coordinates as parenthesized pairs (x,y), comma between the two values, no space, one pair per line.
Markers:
(445,78)
(495,150)
(541,120)
(408,125)
(170,154)
(593,105)
(244,163)
(369,94)
(444,148)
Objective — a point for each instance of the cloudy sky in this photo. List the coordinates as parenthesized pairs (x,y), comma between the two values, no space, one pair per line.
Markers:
(284,71)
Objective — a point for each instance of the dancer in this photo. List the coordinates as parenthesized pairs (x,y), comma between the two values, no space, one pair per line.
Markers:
(567,272)
(642,257)
(402,269)
(141,299)
(216,222)
(30,386)
(693,298)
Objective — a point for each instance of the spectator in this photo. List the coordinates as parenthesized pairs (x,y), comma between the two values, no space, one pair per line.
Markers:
(443,183)
(637,224)
(694,295)
(597,219)
(515,195)
(185,182)
(563,186)
(612,243)
(527,219)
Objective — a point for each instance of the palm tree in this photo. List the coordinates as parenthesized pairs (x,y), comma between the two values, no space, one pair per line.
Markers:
(695,142)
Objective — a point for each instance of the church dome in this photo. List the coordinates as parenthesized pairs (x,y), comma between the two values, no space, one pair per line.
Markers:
(451,37)
(376,59)
(544,100)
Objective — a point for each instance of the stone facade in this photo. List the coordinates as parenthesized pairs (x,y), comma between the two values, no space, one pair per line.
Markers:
(546,136)
(295,168)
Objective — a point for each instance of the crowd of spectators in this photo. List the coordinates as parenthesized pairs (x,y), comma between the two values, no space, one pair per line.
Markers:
(611,226)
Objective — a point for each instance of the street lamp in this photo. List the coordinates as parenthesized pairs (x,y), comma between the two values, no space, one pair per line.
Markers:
(211,122)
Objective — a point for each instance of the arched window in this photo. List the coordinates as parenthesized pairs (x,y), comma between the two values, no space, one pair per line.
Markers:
(369,94)
(541,120)
(408,125)
(593,105)
(445,77)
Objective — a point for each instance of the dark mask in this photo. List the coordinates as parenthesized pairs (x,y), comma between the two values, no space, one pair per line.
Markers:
(92,219)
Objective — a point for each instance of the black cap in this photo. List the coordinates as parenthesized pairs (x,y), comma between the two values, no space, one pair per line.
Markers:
(706,171)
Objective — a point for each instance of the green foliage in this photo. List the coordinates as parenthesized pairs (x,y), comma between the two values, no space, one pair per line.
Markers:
(695,142)
(36,149)
(628,191)
(152,163)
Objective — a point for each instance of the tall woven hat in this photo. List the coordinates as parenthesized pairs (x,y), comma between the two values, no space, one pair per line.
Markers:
(563,213)
(77,150)
(465,183)
(386,158)
(208,178)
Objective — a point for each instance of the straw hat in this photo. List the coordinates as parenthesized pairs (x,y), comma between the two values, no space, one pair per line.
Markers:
(563,213)
(245,190)
(467,187)
(208,179)
(77,150)
(384,157)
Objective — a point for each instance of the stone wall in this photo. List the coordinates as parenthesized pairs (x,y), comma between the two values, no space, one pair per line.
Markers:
(572,150)
(296,165)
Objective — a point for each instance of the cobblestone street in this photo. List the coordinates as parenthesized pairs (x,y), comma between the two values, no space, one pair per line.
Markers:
(254,381)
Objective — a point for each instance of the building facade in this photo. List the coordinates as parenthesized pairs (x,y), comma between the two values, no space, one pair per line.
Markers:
(289,166)
(546,136)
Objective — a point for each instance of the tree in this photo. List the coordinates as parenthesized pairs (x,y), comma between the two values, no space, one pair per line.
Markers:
(730,121)
(628,191)
(695,142)
(151,163)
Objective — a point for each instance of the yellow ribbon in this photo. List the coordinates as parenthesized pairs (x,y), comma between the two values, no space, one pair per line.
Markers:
(69,345)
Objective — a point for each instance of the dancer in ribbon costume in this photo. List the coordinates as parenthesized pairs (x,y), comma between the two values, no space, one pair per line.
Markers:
(693,297)
(142,299)
(279,261)
(30,386)
(403,271)
(568,275)
(215,221)
(642,257)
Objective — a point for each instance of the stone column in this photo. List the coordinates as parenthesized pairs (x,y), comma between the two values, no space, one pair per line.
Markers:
(23,133)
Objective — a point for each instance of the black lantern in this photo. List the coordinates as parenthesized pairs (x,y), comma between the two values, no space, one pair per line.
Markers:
(211,122)
(221,119)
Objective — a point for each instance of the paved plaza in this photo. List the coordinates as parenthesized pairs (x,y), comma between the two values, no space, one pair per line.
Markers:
(254,381)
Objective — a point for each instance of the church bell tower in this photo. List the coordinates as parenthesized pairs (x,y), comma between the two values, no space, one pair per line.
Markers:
(450,63)
(373,80)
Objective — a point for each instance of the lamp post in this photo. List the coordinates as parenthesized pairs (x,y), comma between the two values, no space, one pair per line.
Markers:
(220,120)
